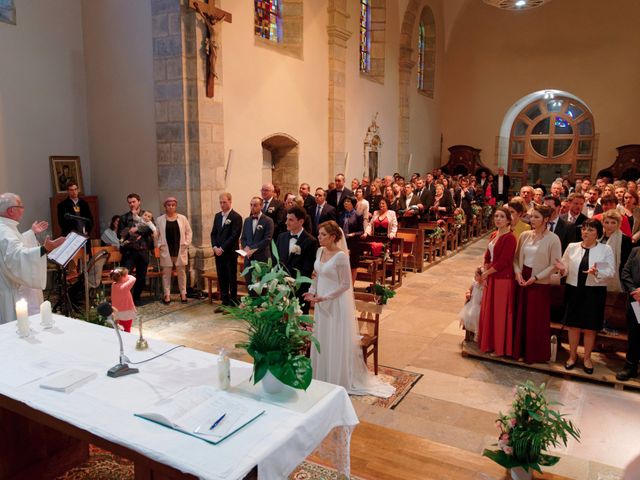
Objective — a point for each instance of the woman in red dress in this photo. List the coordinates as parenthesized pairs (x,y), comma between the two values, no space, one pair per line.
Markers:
(495,330)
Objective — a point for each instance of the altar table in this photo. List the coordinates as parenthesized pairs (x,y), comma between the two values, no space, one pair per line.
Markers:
(43,425)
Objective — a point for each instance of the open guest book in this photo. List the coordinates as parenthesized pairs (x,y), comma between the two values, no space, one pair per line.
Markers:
(204,412)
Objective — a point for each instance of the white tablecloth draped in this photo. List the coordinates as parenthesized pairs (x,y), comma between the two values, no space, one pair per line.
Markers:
(277,442)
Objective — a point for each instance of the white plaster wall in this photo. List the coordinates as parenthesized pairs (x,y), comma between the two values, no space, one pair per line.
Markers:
(42,100)
(366,97)
(267,92)
(586,47)
(425,126)
(119,65)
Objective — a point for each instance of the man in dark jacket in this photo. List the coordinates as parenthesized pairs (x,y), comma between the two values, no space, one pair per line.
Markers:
(335,196)
(77,207)
(225,234)
(257,232)
(630,279)
(297,250)
(135,250)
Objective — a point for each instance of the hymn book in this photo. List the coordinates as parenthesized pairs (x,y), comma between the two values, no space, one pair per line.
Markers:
(194,411)
(65,252)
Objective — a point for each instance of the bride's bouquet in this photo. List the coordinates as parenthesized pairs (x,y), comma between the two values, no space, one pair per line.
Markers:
(275,325)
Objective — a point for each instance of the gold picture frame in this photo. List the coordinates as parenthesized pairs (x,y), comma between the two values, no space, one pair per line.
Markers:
(65,169)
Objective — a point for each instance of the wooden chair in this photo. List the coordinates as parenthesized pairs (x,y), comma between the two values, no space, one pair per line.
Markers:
(452,234)
(368,326)
(370,268)
(408,255)
(394,264)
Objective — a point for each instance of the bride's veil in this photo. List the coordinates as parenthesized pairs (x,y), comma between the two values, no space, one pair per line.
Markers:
(342,243)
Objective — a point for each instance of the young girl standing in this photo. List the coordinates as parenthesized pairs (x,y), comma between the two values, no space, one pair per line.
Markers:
(124,310)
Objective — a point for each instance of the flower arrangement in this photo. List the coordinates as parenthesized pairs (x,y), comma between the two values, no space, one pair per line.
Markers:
(382,293)
(476,209)
(275,326)
(436,233)
(530,427)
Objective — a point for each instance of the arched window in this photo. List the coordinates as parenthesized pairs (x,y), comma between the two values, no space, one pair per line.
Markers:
(550,138)
(421,52)
(268,19)
(365,35)
(427,53)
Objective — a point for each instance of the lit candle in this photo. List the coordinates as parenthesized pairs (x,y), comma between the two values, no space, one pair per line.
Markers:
(46,318)
(22,314)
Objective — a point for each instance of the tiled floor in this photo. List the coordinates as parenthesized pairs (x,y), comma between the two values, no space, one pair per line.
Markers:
(457,399)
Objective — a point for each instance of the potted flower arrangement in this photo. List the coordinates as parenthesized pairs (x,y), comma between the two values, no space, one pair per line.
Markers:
(530,427)
(275,326)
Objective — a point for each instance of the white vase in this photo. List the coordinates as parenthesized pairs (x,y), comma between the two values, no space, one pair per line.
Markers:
(519,473)
(271,384)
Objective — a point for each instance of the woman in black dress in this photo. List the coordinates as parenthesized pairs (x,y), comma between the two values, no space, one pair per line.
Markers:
(352,224)
(588,266)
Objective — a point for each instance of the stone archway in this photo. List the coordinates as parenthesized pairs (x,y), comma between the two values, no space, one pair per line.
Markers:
(281,152)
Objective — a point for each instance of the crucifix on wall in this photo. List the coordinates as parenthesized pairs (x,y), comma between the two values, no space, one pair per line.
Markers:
(210,16)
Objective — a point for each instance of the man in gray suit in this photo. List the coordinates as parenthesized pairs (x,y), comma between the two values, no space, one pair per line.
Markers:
(257,233)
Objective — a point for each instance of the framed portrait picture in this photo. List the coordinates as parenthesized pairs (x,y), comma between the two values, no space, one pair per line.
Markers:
(63,171)
(8,12)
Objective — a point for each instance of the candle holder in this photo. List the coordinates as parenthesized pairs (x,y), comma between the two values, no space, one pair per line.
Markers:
(141,344)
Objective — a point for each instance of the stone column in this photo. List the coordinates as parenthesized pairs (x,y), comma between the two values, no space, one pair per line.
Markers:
(406,66)
(338,36)
(189,126)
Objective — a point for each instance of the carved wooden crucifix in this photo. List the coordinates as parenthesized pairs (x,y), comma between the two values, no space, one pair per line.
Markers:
(211,16)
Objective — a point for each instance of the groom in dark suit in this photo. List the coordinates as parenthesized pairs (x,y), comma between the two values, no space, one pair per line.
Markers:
(257,233)
(227,226)
(297,250)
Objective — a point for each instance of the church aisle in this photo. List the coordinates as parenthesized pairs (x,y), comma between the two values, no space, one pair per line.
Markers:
(456,401)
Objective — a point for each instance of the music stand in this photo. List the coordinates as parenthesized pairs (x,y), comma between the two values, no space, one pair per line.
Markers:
(62,256)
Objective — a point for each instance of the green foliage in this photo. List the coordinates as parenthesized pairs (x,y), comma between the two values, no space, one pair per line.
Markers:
(275,326)
(383,293)
(530,427)
(436,233)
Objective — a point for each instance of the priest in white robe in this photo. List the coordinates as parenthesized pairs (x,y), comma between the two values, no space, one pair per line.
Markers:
(21,266)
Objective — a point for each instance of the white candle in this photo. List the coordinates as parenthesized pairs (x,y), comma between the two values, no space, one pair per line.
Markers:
(22,314)
(46,318)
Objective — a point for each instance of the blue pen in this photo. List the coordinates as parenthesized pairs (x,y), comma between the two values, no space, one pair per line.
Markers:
(217,422)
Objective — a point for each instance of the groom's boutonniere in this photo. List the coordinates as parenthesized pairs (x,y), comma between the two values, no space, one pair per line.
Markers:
(259,227)
(227,221)
(270,209)
(295,250)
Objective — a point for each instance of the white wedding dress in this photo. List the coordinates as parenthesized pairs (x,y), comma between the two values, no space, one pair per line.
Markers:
(340,360)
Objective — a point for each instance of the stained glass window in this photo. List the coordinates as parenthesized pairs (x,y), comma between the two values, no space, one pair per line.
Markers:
(421,50)
(365,35)
(268,19)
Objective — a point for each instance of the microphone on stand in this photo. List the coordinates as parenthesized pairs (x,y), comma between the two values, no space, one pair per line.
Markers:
(106,310)
(71,216)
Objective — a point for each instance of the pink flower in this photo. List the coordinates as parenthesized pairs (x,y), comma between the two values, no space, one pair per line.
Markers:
(504,438)
(512,422)
(507,450)
(499,424)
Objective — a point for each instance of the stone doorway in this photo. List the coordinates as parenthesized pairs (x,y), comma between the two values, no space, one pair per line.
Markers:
(280,152)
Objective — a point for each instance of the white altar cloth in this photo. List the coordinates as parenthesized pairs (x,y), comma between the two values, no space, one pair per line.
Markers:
(276,442)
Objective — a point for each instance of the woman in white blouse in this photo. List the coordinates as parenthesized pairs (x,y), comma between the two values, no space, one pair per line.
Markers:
(362,206)
(588,266)
(537,251)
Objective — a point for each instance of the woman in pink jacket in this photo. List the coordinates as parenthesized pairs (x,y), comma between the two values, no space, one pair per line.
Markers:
(124,310)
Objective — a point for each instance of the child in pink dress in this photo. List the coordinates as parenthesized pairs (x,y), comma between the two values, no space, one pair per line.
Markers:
(124,310)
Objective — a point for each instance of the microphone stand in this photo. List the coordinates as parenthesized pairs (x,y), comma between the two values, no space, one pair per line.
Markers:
(122,368)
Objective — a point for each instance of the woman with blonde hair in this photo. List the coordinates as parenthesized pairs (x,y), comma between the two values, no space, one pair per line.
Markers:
(620,245)
(174,237)
(518,209)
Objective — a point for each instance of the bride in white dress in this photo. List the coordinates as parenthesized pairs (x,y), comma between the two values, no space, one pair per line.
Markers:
(340,360)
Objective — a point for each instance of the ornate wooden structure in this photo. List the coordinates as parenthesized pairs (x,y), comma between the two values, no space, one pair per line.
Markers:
(627,164)
(465,160)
